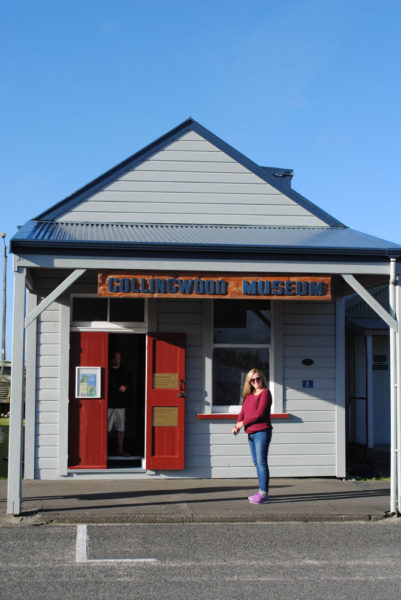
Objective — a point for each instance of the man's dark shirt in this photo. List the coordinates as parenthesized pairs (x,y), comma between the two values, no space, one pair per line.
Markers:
(118,377)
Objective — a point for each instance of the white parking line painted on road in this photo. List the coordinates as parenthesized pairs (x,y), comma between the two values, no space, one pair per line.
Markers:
(81,553)
(80,548)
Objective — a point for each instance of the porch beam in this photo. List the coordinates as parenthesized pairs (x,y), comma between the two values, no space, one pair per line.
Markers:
(202,264)
(60,289)
(371,301)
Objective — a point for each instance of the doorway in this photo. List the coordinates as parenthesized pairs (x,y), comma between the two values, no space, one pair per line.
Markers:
(133,357)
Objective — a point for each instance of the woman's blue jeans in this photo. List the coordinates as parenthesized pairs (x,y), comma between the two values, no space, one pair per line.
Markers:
(259,443)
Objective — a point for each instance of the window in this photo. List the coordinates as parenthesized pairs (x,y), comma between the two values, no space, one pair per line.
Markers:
(89,309)
(241,341)
(126,310)
(112,310)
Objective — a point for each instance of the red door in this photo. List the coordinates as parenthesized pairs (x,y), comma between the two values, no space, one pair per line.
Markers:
(88,416)
(165,412)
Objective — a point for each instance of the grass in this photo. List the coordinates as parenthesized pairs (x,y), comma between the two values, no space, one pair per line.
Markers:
(3,447)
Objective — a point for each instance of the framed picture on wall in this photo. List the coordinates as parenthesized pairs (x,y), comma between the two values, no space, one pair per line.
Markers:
(88,382)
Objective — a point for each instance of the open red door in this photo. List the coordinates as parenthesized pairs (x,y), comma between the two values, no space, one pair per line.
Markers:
(165,412)
(88,415)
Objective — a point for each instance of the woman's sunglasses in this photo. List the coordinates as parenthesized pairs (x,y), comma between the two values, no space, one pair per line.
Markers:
(256,379)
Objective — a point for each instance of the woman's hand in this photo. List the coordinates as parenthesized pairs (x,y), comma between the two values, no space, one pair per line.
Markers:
(238,427)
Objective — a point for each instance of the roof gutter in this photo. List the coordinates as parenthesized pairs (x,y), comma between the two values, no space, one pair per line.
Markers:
(46,247)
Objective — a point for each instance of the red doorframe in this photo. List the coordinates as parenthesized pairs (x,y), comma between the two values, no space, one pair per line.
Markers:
(165,402)
(87,441)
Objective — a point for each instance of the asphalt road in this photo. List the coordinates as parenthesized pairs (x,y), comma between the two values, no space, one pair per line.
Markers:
(202,561)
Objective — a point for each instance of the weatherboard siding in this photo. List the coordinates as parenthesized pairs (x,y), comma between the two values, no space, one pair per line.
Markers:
(47,393)
(310,434)
(303,445)
(191,181)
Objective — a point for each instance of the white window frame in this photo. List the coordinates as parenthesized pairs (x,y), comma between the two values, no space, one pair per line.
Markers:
(209,346)
(120,327)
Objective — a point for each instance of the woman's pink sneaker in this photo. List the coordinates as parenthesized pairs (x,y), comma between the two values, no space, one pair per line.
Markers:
(258,499)
(254,496)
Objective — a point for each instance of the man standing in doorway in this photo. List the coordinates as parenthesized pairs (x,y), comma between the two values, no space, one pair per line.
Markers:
(119,384)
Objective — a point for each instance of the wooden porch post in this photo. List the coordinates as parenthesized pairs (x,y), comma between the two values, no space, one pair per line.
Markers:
(17,396)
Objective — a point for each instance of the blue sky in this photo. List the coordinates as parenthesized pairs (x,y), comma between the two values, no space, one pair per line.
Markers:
(312,85)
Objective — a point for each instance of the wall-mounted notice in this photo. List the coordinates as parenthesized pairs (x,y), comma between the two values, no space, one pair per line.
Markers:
(165,381)
(88,382)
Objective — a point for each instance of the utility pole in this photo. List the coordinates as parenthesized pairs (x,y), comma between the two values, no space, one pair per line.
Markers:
(3,330)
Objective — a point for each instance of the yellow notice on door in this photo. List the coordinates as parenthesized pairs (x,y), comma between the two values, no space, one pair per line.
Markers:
(165,381)
(165,416)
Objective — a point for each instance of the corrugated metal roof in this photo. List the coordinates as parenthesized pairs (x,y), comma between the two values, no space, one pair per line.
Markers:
(359,308)
(341,239)
(365,324)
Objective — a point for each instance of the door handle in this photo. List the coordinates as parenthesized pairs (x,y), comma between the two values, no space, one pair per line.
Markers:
(182,384)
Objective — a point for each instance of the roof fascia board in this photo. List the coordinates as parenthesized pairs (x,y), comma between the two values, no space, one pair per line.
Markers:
(103,262)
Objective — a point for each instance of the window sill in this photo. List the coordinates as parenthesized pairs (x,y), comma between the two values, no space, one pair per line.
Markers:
(233,416)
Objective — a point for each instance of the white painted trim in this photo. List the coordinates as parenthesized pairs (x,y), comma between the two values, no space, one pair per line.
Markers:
(152,312)
(252,266)
(207,344)
(340,389)
(394,374)
(17,397)
(398,376)
(111,326)
(276,357)
(64,386)
(60,289)
(209,348)
(371,301)
(81,551)
(369,390)
(30,392)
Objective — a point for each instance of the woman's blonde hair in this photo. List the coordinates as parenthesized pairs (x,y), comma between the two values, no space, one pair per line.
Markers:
(248,387)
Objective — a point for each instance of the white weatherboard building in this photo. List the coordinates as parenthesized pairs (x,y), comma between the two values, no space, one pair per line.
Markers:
(197,265)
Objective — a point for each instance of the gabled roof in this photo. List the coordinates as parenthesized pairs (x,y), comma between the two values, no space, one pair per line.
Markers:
(50,233)
(277,178)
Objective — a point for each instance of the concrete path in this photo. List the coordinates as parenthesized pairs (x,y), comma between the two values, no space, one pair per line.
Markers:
(197,500)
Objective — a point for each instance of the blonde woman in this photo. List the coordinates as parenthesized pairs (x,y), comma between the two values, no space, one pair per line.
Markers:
(255,418)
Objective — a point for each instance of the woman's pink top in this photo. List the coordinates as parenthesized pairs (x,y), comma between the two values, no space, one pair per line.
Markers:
(255,412)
